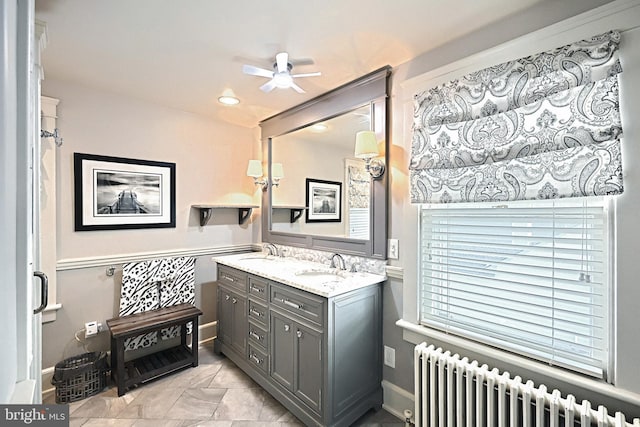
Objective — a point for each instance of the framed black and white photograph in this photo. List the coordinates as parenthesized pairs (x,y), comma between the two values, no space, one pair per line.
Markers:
(118,193)
(324,201)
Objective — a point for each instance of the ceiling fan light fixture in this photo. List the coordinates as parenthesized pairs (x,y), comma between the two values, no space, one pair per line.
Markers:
(281,76)
(282,80)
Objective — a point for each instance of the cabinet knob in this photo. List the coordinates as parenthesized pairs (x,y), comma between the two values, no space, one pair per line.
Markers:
(299,334)
(286,328)
(233,301)
(226,297)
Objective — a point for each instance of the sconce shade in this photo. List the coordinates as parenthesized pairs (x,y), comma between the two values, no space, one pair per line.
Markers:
(277,171)
(254,169)
(366,145)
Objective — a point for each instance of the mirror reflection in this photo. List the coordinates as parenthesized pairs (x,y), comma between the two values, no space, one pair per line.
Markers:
(324,190)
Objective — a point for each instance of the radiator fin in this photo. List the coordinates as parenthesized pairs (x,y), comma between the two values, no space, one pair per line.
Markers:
(452,391)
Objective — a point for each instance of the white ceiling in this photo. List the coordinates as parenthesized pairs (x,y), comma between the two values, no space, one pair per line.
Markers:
(184,54)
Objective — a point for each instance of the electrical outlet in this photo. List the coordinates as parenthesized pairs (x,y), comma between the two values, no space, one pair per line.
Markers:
(90,329)
(393,249)
(390,356)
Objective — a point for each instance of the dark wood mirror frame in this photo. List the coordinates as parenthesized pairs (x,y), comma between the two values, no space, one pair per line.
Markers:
(372,88)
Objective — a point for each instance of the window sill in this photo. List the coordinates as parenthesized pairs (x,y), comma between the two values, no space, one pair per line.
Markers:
(417,334)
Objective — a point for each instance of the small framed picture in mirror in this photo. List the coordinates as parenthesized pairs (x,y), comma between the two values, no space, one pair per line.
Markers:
(324,201)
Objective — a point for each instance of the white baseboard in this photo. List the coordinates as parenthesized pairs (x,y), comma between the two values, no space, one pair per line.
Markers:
(47,387)
(207,331)
(396,399)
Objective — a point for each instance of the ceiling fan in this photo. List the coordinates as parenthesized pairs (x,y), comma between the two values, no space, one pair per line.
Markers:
(281,76)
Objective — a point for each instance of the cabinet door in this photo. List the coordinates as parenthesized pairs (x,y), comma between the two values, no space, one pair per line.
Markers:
(309,369)
(282,342)
(225,316)
(239,321)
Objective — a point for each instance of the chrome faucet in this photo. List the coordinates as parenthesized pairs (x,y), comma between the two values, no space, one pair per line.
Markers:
(340,264)
(271,249)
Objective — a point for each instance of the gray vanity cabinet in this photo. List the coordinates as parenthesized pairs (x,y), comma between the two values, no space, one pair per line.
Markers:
(232,323)
(232,309)
(296,361)
(308,367)
(320,357)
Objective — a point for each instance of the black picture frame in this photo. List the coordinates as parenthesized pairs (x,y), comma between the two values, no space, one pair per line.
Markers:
(114,193)
(324,200)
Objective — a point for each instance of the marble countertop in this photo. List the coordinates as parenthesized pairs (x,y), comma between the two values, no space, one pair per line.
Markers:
(309,276)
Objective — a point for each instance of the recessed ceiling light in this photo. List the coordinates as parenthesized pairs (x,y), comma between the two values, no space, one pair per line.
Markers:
(228,100)
(319,127)
(228,97)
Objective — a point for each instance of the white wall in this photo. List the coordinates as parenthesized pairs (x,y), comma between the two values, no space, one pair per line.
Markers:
(475,52)
(211,159)
(8,174)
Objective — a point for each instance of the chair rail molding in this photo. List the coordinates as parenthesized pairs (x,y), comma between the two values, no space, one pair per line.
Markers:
(101,261)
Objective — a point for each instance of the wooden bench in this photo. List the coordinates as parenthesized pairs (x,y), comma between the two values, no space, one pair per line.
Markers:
(162,362)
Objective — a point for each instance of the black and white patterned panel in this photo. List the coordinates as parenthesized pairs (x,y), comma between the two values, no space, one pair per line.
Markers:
(179,289)
(138,294)
(148,285)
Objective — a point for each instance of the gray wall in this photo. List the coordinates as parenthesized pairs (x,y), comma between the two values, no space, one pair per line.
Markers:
(211,159)
(89,294)
(399,296)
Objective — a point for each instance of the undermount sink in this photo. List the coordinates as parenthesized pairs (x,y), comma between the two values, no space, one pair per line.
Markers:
(325,273)
(259,256)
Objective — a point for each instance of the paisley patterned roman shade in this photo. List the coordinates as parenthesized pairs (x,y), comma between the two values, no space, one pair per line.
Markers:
(545,126)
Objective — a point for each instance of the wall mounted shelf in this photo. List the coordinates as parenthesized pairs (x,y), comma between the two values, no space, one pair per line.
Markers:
(206,212)
(296,211)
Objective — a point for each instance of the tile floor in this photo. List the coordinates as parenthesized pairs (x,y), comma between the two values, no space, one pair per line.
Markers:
(215,394)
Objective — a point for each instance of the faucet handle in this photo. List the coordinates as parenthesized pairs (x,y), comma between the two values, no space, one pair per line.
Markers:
(354,267)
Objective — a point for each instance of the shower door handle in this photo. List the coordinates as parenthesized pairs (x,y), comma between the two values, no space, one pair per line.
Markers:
(44,291)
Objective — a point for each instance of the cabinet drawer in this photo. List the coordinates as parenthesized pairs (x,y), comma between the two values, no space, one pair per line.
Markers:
(258,287)
(258,359)
(258,336)
(232,277)
(300,303)
(258,313)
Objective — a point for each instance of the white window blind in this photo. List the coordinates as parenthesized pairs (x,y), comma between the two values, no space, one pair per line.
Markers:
(528,277)
(359,223)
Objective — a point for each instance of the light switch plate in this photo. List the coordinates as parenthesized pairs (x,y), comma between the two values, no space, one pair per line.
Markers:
(390,356)
(393,250)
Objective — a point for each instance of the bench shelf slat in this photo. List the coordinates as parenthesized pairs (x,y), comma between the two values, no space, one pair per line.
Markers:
(156,364)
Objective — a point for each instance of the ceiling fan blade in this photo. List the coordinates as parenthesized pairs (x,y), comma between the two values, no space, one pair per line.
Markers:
(255,71)
(268,86)
(296,88)
(318,73)
(282,60)
(300,61)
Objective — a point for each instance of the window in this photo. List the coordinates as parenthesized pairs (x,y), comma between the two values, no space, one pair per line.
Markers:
(528,277)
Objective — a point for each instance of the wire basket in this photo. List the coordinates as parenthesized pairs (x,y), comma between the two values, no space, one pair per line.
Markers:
(80,376)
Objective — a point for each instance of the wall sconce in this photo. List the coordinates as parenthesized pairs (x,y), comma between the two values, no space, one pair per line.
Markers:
(367,149)
(277,173)
(255,170)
